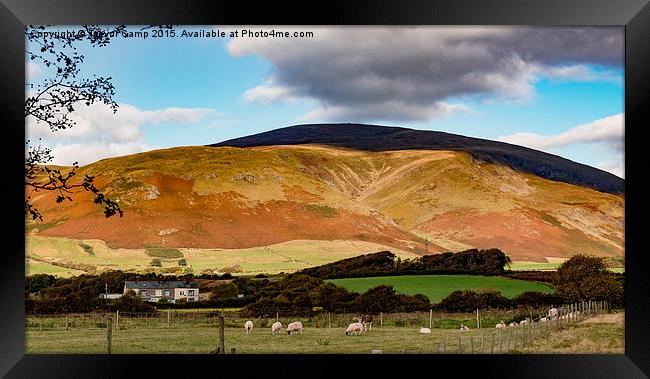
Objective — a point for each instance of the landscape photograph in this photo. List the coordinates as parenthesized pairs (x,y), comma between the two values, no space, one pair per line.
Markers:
(324,189)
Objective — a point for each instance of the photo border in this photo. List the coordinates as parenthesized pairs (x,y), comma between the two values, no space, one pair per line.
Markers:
(633,14)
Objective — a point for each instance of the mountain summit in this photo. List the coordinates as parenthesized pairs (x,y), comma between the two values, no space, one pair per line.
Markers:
(385,138)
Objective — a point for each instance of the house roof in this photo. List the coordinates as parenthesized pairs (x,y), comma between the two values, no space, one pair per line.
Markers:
(170,284)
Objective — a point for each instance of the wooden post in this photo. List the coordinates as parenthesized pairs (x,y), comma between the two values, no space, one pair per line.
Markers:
(117,319)
(500,342)
(508,341)
(381,318)
(168,320)
(277,316)
(460,348)
(446,343)
(222,338)
(232,350)
(430,318)
(492,345)
(482,346)
(109,336)
(329,320)
(471,344)
(478,320)
(66,322)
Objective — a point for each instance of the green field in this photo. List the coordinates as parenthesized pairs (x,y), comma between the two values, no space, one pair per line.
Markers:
(437,287)
(287,257)
(602,334)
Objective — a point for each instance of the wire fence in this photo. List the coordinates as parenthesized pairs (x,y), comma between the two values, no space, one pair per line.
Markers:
(482,335)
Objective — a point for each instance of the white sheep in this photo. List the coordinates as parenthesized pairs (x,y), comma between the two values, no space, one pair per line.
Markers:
(275,328)
(524,322)
(543,319)
(248,326)
(295,326)
(500,325)
(424,330)
(463,328)
(513,324)
(355,328)
(552,314)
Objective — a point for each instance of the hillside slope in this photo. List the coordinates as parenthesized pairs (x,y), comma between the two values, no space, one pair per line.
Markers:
(227,197)
(382,138)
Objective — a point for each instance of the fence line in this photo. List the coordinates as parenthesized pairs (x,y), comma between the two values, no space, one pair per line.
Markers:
(497,341)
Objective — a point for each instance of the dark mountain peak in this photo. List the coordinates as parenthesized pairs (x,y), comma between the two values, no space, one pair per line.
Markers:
(387,138)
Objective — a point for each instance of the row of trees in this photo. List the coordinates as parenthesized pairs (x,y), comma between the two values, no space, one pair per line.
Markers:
(579,279)
(383,263)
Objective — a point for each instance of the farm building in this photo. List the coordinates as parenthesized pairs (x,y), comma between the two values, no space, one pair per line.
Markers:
(152,290)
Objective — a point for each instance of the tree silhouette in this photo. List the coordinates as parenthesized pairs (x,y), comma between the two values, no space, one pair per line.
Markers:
(53,101)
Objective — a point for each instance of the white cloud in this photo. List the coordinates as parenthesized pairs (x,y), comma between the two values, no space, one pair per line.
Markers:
(32,69)
(608,131)
(405,73)
(100,133)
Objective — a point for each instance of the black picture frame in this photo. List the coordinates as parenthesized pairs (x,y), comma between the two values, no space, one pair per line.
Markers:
(633,14)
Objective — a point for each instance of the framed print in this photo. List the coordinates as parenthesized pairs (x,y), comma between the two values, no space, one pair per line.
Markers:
(374,188)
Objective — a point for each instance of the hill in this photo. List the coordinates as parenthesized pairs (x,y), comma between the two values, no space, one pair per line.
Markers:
(383,138)
(417,201)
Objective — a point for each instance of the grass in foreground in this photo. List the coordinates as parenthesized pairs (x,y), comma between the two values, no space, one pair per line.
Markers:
(602,334)
(437,287)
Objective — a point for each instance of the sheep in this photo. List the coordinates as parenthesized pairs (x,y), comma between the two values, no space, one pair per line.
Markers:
(500,325)
(552,314)
(355,328)
(463,328)
(512,324)
(366,320)
(424,330)
(248,326)
(275,328)
(295,326)
(543,319)
(524,322)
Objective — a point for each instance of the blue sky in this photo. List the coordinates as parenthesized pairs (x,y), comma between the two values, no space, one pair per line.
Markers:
(557,90)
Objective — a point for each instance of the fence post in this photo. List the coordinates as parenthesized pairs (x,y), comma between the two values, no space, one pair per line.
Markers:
(222,338)
(168,320)
(492,345)
(381,318)
(277,316)
(117,319)
(508,342)
(500,342)
(471,344)
(232,350)
(329,320)
(446,343)
(482,349)
(66,322)
(478,320)
(459,345)
(430,318)
(109,336)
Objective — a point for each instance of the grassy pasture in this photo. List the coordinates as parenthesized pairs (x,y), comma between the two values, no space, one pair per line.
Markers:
(437,287)
(601,334)
(283,257)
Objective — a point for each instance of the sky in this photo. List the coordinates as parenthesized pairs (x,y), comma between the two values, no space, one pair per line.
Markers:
(555,89)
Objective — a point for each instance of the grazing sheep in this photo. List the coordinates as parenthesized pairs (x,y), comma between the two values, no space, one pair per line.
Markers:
(500,325)
(424,330)
(513,324)
(543,319)
(355,328)
(524,322)
(275,328)
(552,314)
(366,320)
(463,328)
(248,326)
(295,326)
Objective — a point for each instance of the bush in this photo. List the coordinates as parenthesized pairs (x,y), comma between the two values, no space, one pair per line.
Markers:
(182,262)
(224,291)
(469,301)
(155,262)
(88,249)
(584,278)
